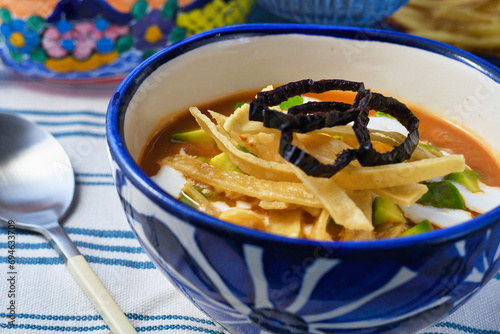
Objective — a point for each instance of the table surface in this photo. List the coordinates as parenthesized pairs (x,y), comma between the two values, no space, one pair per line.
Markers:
(48,300)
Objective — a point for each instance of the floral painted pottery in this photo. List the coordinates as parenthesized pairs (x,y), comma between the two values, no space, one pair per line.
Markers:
(253,282)
(101,40)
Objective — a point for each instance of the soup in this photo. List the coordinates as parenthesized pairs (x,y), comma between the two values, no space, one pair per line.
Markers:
(231,169)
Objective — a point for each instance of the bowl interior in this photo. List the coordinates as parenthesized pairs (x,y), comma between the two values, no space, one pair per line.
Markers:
(388,63)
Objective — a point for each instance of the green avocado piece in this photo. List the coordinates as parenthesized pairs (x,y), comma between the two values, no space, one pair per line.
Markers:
(291,102)
(239,105)
(382,114)
(443,194)
(431,149)
(195,137)
(223,162)
(423,226)
(467,179)
(385,211)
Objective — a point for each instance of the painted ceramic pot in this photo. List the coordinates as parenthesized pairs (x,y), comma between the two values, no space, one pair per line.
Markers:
(82,40)
(252,282)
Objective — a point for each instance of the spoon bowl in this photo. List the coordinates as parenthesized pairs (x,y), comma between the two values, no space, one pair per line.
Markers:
(37,185)
(36,176)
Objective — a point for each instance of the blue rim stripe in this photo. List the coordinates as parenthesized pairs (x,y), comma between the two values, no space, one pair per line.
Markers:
(126,90)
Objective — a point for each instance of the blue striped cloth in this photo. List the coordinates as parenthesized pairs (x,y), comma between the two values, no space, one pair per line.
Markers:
(48,300)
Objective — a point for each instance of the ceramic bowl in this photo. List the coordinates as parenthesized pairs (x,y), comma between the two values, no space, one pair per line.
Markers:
(101,40)
(253,282)
(336,12)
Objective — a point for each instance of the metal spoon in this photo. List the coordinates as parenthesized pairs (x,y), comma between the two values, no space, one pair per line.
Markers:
(37,184)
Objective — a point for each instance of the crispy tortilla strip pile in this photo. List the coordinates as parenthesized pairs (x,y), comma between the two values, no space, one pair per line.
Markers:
(278,185)
(472,25)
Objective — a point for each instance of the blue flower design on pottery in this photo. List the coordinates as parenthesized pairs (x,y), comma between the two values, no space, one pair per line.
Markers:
(152,31)
(19,38)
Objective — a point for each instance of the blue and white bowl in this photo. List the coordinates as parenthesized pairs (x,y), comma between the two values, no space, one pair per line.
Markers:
(253,282)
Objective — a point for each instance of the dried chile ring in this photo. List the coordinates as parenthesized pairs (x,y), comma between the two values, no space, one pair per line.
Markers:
(310,116)
(366,154)
(317,115)
(309,164)
(283,93)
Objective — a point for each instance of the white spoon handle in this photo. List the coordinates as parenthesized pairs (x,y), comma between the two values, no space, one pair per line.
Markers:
(99,296)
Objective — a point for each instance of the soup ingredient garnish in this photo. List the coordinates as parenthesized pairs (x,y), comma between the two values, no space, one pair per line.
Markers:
(385,211)
(223,162)
(423,226)
(315,116)
(443,194)
(196,137)
(467,178)
(359,201)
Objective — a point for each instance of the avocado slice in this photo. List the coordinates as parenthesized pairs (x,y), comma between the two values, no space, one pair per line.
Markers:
(385,211)
(430,148)
(443,194)
(223,162)
(467,178)
(423,226)
(291,102)
(195,137)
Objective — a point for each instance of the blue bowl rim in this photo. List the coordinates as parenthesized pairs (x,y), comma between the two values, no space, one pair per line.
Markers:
(123,93)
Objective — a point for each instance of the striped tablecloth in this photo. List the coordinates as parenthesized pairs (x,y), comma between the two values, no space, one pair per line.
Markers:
(48,300)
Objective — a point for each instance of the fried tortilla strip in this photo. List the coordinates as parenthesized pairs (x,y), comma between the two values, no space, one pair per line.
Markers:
(321,146)
(238,123)
(386,176)
(350,178)
(246,218)
(324,148)
(289,192)
(385,137)
(274,205)
(263,145)
(286,223)
(248,163)
(318,231)
(356,235)
(403,195)
(363,199)
(341,207)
